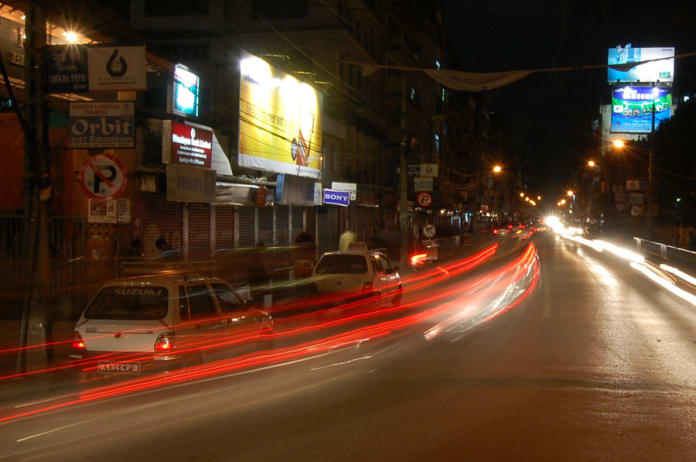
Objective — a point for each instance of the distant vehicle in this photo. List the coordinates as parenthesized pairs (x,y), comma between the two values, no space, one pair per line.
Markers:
(162,322)
(358,274)
(502,231)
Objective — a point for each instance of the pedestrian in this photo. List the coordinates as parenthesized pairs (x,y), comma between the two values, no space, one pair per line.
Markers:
(166,251)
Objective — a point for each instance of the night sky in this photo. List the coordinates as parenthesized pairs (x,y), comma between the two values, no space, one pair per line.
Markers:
(551,114)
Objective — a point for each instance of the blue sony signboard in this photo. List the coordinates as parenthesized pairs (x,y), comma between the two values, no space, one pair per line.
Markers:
(334,197)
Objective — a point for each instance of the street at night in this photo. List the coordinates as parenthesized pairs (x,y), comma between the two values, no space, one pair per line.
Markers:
(347,230)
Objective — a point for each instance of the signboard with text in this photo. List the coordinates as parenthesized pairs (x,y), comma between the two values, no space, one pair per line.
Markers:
(116,68)
(103,177)
(101,125)
(191,145)
(190,184)
(186,99)
(66,69)
(632,108)
(334,197)
(423,184)
(352,188)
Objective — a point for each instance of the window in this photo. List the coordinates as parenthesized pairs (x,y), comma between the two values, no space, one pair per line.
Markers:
(155,8)
(277,9)
(129,302)
(201,302)
(381,264)
(227,298)
(342,264)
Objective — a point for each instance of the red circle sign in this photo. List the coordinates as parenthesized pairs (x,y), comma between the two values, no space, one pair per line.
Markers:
(103,177)
(424,199)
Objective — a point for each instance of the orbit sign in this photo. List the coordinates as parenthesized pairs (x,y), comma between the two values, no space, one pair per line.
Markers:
(424,199)
(103,177)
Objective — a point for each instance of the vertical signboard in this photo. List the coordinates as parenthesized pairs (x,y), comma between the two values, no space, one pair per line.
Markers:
(185,99)
(632,108)
(279,121)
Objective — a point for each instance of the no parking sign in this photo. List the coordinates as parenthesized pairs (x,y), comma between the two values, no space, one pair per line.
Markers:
(103,177)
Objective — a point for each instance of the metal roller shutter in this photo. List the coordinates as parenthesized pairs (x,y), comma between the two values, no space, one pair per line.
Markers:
(199,231)
(224,227)
(297,222)
(266,225)
(282,223)
(328,230)
(161,219)
(247,236)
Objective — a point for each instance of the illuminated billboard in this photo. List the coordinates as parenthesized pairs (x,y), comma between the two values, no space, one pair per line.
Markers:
(661,70)
(632,108)
(279,121)
(186,90)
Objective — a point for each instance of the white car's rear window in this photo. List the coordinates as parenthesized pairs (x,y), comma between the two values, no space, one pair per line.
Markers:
(134,303)
(342,264)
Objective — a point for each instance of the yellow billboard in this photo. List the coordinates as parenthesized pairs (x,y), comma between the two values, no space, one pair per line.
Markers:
(279,121)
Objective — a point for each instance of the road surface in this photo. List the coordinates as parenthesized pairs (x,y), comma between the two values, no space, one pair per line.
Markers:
(597,364)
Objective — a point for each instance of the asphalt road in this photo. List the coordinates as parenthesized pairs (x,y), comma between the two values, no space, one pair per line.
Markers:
(597,364)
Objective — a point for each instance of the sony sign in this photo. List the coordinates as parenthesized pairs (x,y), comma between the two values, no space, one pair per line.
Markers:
(334,197)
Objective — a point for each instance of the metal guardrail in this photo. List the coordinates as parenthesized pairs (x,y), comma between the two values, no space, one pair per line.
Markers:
(667,252)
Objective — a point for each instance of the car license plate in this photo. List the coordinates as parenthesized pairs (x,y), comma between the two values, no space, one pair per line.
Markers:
(129,367)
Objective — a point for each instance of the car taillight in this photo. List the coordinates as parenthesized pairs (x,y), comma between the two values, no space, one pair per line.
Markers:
(164,342)
(78,344)
(495,231)
(418,258)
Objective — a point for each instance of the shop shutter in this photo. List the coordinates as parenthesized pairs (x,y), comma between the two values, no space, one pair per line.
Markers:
(199,232)
(282,223)
(247,237)
(224,227)
(161,219)
(328,229)
(297,222)
(266,225)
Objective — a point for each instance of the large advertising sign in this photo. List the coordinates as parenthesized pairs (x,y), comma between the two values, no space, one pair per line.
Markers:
(632,108)
(661,70)
(279,121)
(186,91)
(101,125)
(191,145)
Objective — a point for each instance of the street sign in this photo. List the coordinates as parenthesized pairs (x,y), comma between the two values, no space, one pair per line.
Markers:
(422,184)
(632,185)
(342,198)
(429,230)
(428,170)
(103,177)
(352,188)
(424,199)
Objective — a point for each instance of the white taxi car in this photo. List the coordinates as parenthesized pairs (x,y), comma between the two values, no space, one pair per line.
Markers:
(144,323)
(357,274)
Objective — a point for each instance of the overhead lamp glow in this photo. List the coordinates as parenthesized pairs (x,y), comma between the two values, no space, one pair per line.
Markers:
(591,163)
(618,144)
(497,169)
(71,36)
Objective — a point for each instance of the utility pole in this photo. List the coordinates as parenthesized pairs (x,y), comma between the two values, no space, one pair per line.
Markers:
(403,179)
(35,326)
(651,172)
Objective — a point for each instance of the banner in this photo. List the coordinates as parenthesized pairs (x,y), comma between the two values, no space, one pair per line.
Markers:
(101,125)
(659,68)
(632,108)
(66,69)
(279,121)
(191,145)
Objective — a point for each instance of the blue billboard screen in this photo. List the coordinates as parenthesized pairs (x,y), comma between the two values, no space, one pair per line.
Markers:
(632,108)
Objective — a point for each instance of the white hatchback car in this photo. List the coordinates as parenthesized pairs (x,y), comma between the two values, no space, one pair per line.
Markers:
(144,323)
(358,274)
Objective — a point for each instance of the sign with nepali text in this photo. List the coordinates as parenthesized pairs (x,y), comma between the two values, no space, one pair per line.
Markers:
(101,125)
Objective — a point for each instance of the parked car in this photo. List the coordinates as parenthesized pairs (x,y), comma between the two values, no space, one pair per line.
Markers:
(357,274)
(162,322)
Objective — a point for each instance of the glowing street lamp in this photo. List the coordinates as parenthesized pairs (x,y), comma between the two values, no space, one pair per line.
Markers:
(521,194)
(569,193)
(71,36)
(497,169)
(591,163)
(538,198)
(618,144)
(563,202)
(526,199)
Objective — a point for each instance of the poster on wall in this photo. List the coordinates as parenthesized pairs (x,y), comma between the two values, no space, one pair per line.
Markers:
(632,108)
(101,125)
(279,121)
(658,68)
(109,210)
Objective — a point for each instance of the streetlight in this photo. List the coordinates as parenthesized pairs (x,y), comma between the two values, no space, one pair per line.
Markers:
(497,169)
(521,194)
(591,163)
(563,202)
(526,199)
(71,36)
(569,193)
(618,144)
(538,198)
